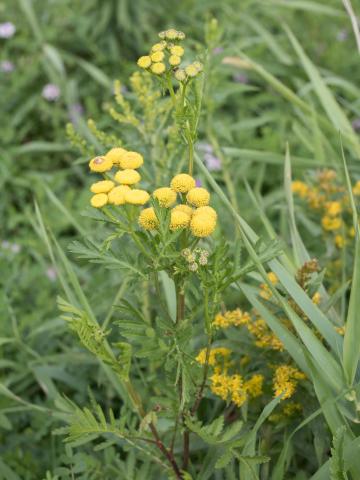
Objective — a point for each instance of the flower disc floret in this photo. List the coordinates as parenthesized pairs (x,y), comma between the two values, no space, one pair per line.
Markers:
(206,210)
(115,155)
(157,56)
(158,68)
(198,196)
(148,219)
(131,160)
(99,200)
(104,186)
(165,196)
(136,197)
(174,60)
(182,183)
(100,164)
(202,225)
(177,50)
(117,195)
(144,61)
(127,177)
(178,220)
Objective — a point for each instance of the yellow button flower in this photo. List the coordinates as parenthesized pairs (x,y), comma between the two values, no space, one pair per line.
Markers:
(165,196)
(158,68)
(116,154)
(179,220)
(127,177)
(104,186)
(180,75)
(202,225)
(191,71)
(131,160)
(171,34)
(184,208)
(99,200)
(100,164)
(117,195)
(182,183)
(331,224)
(333,208)
(198,196)
(177,50)
(206,210)
(299,188)
(148,219)
(144,61)
(174,60)
(158,46)
(157,56)
(136,197)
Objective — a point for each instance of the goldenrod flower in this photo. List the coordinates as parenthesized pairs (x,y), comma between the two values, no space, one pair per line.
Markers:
(231,318)
(127,177)
(180,75)
(165,196)
(136,197)
(273,278)
(331,224)
(207,211)
(174,60)
(131,160)
(216,355)
(104,186)
(99,200)
(340,241)
(179,220)
(148,219)
(286,379)
(265,338)
(117,195)
(199,197)
(182,183)
(144,61)
(316,298)
(202,225)
(184,208)
(157,56)
(177,50)
(115,155)
(253,387)
(299,188)
(158,46)
(100,164)
(158,68)
(333,208)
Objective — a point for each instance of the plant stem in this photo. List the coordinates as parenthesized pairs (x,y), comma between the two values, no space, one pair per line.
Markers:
(203,383)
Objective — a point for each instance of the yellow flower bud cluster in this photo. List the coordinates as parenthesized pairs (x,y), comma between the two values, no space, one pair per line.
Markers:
(285,380)
(164,51)
(106,191)
(201,220)
(234,318)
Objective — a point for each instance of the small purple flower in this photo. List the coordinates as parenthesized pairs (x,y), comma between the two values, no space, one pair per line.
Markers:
(6,66)
(7,30)
(212,162)
(217,50)
(342,35)
(51,92)
(356,124)
(198,182)
(241,78)
(51,274)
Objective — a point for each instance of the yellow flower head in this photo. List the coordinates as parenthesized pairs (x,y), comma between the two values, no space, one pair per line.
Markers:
(316,298)
(148,219)
(177,50)
(174,60)
(180,75)
(333,208)
(99,200)
(331,224)
(340,241)
(254,386)
(127,177)
(104,186)
(131,160)
(286,379)
(184,208)
(198,196)
(158,47)
(165,196)
(144,61)
(231,318)
(273,278)
(158,68)
(136,197)
(117,195)
(172,34)
(206,210)
(179,220)
(202,225)
(182,183)
(116,154)
(100,164)
(300,188)
(216,355)
(191,70)
(157,56)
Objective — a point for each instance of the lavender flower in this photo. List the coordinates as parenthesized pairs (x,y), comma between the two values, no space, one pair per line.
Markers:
(6,66)
(198,182)
(51,92)
(212,162)
(7,30)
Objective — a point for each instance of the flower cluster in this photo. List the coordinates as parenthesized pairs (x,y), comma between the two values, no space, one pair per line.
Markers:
(193,212)
(231,318)
(195,258)
(166,57)
(118,190)
(286,379)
